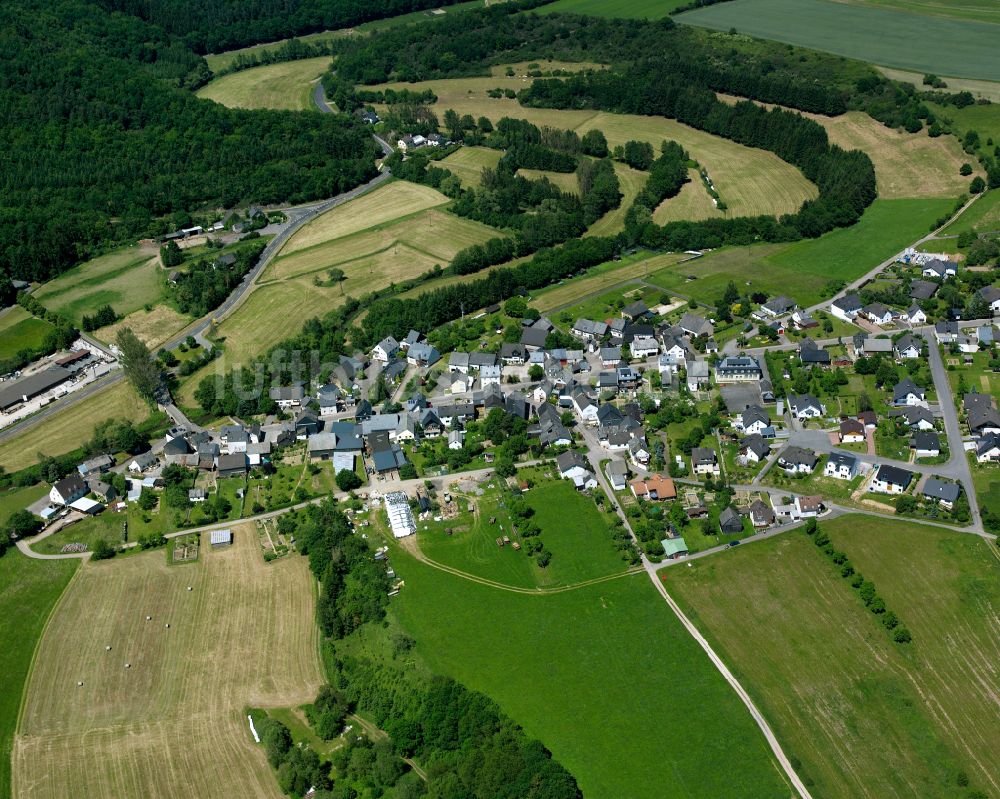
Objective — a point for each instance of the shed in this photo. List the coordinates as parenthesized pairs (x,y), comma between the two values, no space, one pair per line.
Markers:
(221,538)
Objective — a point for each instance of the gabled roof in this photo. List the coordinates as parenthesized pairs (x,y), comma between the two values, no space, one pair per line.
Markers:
(922,289)
(700,455)
(904,388)
(894,475)
(799,456)
(756,444)
(848,303)
(570,460)
(926,440)
(839,459)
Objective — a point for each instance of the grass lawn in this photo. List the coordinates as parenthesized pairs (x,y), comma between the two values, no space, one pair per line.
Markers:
(468,163)
(963,48)
(581,548)
(28,591)
(20,330)
(984,119)
(287,85)
(861,715)
(804,269)
(607,305)
(588,673)
(14,499)
(126,279)
(751,181)
(986,479)
(72,427)
(564,181)
(152,327)
(106,526)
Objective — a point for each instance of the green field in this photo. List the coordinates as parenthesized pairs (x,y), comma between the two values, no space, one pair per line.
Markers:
(961,48)
(28,591)
(20,330)
(468,163)
(126,279)
(580,549)
(631,182)
(984,214)
(72,427)
(803,269)
(981,10)
(628,9)
(287,85)
(864,716)
(604,676)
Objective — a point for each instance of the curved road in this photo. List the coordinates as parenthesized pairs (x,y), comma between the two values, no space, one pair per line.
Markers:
(297,217)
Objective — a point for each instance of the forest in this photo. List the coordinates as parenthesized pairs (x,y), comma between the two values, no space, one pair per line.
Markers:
(103,141)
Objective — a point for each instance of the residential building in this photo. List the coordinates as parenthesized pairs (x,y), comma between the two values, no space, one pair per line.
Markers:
(918,417)
(914,315)
(655,488)
(695,325)
(778,306)
(704,461)
(797,460)
(232,464)
(422,354)
(589,330)
(988,448)
(573,466)
(922,289)
(944,493)
(805,406)
(385,349)
(906,392)
(753,419)
(697,374)
(617,471)
(68,490)
(287,396)
(926,444)
(908,347)
(891,480)
(841,466)
(991,294)
(754,449)
(878,314)
(852,431)
(761,515)
(846,308)
(611,356)
(737,369)
(730,521)
(939,269)
(643,347)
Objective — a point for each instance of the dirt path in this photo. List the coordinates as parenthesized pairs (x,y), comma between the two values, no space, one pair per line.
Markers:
(379,735)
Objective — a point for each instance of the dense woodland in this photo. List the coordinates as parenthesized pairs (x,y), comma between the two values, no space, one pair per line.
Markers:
(102,141)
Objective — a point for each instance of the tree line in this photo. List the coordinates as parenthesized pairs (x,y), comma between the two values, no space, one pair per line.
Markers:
(205,284)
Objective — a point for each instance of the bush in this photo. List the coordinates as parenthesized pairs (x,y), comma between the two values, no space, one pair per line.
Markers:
(103,550)
(348,480)
(902,635)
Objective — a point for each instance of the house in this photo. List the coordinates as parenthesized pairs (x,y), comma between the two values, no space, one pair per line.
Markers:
(985,335)
(878,314)
(730,521)
(983,419)
(939,269)
(870,345)
(914,315)
(533,338)
(99,464)
(803,321)
(369,117)
(906,392)
(841,466)
(455,439)
(175,450)
(754,449)
(967,344)
(142,462)
(287,396)
(922,289)
(704,461)
(753,419)
(944,493)
(808,507)
(852,431)
(988,448)
(588,330)
(778,306)
(235,437)
(197,495)
(413,337)
(761,515)
(846,308)
(655,488)
(638,451)
(617,471)
(459,362)
(306,424)
(363,411)
(422,354)
(697,374)
(258,452)
(737,369)
(869,419)
(916,416)
(490,375)
(385,349)
(232,465)
(891,480)
(611,356)
(68,490)
(991,295)
(814,355)
(908,347)
(674,548)
(696,326)
(945,332)
(478,360)
(513,354)
(797,460)
(805,406)
(330,398)
(103,491)
(926,444)
(572,466)
(643,347)
(584,405)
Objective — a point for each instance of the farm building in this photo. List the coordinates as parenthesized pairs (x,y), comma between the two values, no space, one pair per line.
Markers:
(221,538)
(397,508)
(674,548)
(27,388)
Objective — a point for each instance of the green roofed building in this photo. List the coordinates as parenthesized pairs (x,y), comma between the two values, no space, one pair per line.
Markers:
(674,547)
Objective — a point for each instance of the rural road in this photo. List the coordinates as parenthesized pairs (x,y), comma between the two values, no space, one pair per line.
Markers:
(298,216)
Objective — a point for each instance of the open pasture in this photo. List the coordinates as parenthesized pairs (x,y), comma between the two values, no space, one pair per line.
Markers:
(125,279)
(962,48)
(28,591)
(468,163)
(865,717)
(603,675)
(981,10)
(983,215)
(613,222)
(979,88)
(153,327)
(750,181)
(565,181)
(804,269)
(20,330)
(287,85)
(692,202)
(173,723)
(72,427)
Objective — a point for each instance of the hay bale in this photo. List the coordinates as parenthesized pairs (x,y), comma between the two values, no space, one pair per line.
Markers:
(128,665)
(149,618)
(107,649)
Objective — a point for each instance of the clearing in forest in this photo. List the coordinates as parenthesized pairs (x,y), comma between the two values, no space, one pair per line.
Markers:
(468,163)
(866,717)
(287,85)
(173,723)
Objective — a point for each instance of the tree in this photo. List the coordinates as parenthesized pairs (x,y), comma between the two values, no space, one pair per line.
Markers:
(277,740)
(594,143)
(103,550)
(138,367)
(965,170)
(347,480)
(505,468)
(171,254)
(535,372)
(407,471)
(22,523)
(515,307)
(977,186)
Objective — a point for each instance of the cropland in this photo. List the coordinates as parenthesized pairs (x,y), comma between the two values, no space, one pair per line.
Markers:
(468,163)
(963,48)
(864,716)
(981,10)
(72,427)
(589,671)
(20,330)
(392,234)
(126,280)
(172,723)
(153,327)
(286,85)
(750,181)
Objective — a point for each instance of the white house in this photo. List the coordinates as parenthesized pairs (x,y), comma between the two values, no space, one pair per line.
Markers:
(752,420)
(459,382)
(926,444)
(841,466)
(906,392)
(585,407)
(891,480)
(907,347)
(644,347)
(797,460)
(878,314)
(572,466)
(846,308)
(806,406)
(697,375)
(915,316)
(490,375)
(704,461)
(988,448)
(385,349)
(68,490)
(939,268)
(455,439)
(991,294)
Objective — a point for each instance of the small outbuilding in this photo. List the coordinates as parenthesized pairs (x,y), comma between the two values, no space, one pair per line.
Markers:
(221,538)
